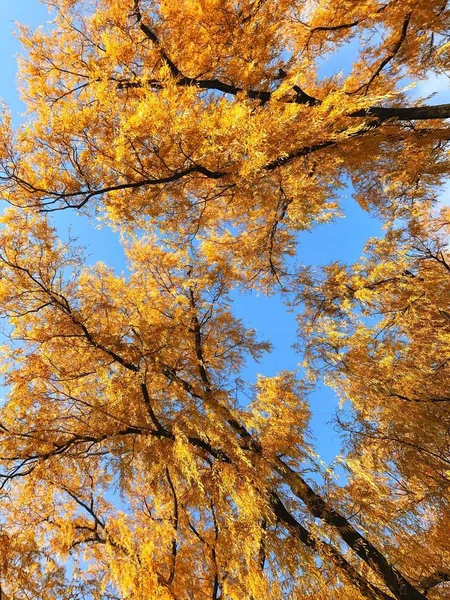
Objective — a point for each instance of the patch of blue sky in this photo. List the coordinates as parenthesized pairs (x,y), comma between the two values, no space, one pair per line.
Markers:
(341,240)
(26,12)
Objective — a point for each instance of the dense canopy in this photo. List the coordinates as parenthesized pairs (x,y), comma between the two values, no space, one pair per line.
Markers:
(135,461)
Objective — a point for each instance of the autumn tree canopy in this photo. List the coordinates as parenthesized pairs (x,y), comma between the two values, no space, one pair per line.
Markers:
(204,134)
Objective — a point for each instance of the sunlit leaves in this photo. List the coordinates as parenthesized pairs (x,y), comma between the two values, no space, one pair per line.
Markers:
(135,461)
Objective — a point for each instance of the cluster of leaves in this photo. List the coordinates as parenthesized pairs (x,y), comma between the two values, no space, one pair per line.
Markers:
(201,131)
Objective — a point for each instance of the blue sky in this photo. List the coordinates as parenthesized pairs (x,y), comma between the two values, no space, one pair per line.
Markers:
(341,240)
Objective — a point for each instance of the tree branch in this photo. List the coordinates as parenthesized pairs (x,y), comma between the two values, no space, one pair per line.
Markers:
(88,194)
(319,508)
(389,57)
(169,580)
(326,550)
(410,113)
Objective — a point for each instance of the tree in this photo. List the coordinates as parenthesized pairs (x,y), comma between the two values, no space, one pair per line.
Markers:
(204,134)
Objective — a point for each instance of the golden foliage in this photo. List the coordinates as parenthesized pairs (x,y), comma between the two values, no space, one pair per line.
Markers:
(135,463)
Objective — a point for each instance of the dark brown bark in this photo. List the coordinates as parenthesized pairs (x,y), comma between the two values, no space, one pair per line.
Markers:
(367,589)
(410,113)
(319,508)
